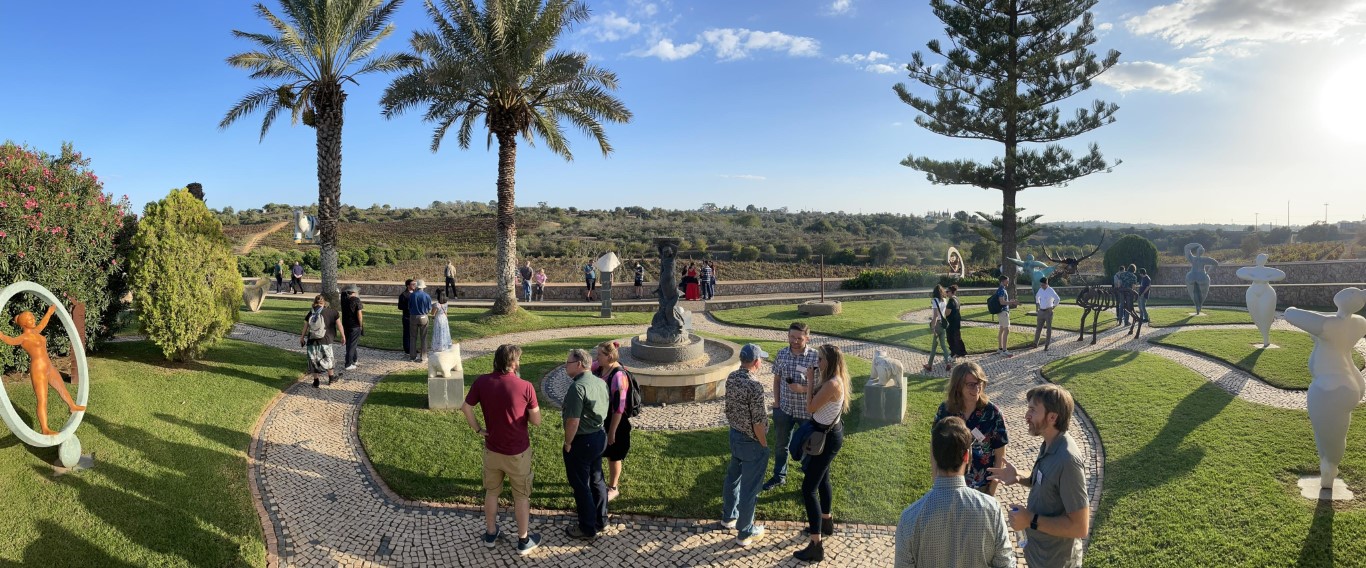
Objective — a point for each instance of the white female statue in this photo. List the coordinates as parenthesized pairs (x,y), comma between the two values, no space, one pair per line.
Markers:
(1197,280)
(1337,384)
(1261,297)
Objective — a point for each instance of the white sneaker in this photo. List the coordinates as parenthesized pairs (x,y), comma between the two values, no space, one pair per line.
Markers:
(756,533)
(351,367)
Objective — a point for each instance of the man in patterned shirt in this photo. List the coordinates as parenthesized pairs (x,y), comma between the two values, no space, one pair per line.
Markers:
(708,285)
(953,526)
(748,446)
(789,406)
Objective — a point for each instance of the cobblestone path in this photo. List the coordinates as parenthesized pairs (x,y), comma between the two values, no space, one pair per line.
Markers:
(323,505)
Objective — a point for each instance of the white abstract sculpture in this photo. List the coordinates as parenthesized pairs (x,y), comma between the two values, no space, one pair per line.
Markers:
(887,372)
(1261,297)
(445,379)
(1337,384)
(884,397)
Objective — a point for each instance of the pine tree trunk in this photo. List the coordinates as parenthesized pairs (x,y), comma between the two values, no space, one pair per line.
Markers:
(1008,217)
(505,298)
(328,102)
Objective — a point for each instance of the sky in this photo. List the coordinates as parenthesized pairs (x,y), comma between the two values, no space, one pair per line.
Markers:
(1231,111)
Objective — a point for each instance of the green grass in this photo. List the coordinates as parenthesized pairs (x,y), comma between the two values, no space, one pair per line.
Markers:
(169,486)
(1197,477)
(384,328)
(1286,367)
(433,456)
(1178,316)
(874,321)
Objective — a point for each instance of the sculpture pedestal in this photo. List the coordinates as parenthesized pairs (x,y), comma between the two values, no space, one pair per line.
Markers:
(884,404)
(1311,487)
(445,380)
(817,308)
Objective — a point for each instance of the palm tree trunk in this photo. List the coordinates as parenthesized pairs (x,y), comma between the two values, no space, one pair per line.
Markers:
(505,299)
(328,102)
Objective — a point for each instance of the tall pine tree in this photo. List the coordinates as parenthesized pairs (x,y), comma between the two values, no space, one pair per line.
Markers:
(1008,65)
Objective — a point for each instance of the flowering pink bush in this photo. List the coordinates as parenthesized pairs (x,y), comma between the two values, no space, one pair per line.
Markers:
(59,229)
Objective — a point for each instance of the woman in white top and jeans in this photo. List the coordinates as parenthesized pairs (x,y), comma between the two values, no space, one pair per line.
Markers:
(938,324)
(827,400)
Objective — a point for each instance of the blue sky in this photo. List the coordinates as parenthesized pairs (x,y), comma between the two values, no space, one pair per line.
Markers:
(1229,109)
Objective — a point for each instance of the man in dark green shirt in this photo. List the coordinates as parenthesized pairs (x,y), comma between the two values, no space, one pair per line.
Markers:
(585,406)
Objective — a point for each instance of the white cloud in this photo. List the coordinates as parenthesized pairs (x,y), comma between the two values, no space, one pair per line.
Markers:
(1235,23)
(1105,27)
(841,6)
(667,51)
(611,27)
(746,177)
(896,124)
(1149,75)
(731,43)
(872,62)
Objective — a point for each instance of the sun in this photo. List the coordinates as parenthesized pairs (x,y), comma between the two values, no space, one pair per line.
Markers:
(1342,103)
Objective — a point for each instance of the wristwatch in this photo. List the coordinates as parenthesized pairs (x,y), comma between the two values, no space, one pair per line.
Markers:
(1034,523)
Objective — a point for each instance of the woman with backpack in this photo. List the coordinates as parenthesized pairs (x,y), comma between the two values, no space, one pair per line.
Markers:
(317,338)
(938,326)
(618,424)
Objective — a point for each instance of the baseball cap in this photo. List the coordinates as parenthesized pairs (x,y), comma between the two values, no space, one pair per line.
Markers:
(751,352)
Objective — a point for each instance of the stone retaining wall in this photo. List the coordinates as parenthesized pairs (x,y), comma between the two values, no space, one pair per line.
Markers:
(1295,272)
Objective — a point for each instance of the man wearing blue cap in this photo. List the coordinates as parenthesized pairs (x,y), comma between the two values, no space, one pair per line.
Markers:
(748,418)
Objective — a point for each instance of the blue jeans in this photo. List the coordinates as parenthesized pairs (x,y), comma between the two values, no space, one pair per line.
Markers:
(744,477)
(583,469)
(1143,307)
(783,425)
(816,491)
(526,290)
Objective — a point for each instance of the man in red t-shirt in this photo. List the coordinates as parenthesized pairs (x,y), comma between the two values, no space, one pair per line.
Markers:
(509,404)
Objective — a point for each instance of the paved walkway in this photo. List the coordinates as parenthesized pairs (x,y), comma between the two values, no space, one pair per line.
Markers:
(323,504)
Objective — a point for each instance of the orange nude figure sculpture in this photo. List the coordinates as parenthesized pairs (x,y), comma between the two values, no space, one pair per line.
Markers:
(40,366)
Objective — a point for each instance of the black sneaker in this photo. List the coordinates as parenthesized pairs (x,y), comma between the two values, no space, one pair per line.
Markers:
(575,532)
(526,545)
(774,482)
(492,539)
(315,382)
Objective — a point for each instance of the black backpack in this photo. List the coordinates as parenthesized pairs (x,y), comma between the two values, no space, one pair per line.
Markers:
(994,303)
(634,401)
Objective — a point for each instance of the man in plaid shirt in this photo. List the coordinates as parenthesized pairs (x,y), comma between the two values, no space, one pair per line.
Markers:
(789,408)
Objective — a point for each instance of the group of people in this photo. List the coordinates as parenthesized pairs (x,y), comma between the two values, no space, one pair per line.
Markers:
(1128,278)
(596,423)
(296,276)
(420,312)
(699,283)
(532,282)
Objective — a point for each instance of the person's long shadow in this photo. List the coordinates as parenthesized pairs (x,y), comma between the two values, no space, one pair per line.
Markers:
(1318,544)
(58,546)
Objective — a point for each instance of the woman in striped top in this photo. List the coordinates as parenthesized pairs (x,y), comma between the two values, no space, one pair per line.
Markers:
(827,399)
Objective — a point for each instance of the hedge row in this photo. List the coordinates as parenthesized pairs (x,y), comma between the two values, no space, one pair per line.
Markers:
(261,261)
(896,278)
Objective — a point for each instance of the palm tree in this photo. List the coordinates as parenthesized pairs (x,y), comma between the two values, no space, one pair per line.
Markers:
(496,64)
(316,47)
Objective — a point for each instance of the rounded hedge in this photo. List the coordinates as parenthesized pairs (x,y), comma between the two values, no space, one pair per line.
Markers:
(1131,249)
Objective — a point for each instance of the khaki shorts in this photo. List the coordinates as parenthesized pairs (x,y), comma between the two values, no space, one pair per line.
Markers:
(517,469)
(1004,318)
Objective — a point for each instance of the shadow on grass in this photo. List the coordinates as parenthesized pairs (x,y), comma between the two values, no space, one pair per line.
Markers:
(57,546)
(1250,361)
(1318,544)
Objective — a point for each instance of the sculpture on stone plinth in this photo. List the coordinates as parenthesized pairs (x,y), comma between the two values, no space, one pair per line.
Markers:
(45,376)
(1261,297)
(884,397)
(671,323)
(1197,280)
(1337,385)
(1035,269)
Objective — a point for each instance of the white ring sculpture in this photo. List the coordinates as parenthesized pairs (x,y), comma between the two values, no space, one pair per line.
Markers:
(69,451)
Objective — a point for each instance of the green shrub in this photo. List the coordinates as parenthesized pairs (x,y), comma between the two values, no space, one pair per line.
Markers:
(359,257)
(58,228)
(1131,249)
(844,256)
(748,253)
(185,284)
(802,252)
(890,278)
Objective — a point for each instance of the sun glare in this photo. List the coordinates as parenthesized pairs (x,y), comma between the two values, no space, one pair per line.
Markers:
(1342,104)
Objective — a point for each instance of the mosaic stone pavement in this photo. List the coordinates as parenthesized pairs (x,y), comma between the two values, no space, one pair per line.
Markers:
(323,505)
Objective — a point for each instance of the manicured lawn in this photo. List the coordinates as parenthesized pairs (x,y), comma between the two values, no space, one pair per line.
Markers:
(1065,317)
(169,486)
(434,456)
(1197,477)
(1178,316)
(1286,367)
(874,321)
(384,328)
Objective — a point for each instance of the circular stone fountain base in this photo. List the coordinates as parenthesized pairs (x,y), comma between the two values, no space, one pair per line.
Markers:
(698,379)
(667,354)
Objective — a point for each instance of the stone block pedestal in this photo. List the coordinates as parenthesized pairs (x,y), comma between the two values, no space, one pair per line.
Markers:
(884,404)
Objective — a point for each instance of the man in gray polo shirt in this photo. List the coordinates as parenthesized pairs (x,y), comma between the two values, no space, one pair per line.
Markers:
(1058,514)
